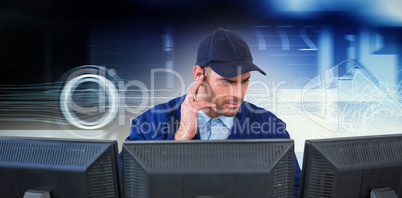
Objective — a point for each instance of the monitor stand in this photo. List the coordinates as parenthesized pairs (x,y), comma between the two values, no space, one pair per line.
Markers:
(383,193)
(36,194)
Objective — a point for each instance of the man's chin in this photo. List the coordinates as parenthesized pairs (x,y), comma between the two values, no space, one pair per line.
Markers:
(230,112)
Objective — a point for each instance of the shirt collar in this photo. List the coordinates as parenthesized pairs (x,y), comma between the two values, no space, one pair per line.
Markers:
(203,118)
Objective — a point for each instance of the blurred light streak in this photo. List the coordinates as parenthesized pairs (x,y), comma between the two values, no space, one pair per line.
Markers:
(374,12)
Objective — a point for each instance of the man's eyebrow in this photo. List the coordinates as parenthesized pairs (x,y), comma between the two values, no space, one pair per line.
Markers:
(247,78)
(227,79)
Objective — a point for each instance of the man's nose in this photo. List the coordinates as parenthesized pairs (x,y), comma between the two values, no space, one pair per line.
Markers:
(237,91)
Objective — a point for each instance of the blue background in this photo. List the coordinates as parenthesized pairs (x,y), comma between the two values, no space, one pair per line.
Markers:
(297,42)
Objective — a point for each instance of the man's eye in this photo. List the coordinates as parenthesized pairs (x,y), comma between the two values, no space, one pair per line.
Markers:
(225,82)
(246,81)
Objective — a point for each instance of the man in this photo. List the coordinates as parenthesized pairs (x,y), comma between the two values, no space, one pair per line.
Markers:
(214,108)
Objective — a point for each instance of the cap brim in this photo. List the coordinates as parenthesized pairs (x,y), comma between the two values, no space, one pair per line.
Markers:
(235,68)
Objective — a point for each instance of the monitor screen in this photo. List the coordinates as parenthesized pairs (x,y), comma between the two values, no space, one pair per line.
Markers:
(209,169)
(352,167)
(59,168)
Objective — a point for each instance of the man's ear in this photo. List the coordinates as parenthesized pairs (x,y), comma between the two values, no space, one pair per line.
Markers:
(198,71)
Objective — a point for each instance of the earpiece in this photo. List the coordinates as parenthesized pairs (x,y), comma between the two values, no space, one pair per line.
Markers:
(203,71)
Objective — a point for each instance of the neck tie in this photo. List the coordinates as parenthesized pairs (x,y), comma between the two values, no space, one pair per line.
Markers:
(216,130)
(216,126)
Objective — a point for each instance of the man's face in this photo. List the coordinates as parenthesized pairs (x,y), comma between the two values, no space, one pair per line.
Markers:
(227,93)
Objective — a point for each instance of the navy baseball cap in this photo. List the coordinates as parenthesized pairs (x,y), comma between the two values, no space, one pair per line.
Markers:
(226,53)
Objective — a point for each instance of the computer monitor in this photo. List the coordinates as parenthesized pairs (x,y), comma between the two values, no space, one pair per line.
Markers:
(352,167)
(209,169)
(59,168)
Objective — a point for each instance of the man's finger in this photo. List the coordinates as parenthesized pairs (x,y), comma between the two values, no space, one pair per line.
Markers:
(197,83)
(202,104)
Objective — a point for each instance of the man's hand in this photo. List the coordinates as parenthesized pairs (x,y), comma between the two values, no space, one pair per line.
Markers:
(189,110)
